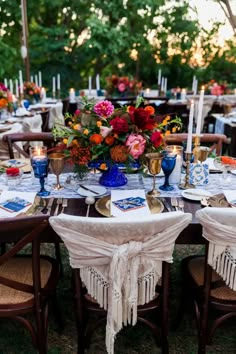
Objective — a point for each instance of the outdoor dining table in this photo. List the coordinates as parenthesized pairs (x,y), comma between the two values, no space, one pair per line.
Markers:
(76,203)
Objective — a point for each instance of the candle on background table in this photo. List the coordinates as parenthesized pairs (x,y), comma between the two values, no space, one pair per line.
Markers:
(36,80)
(17,88)
(5,82)
(162,84)
(195,87)
(235,91)
(190,128)
(40,79)
(21,82)
(90,85)
(31,78)
(193,83)
(199,113)
(43,93)
(97,82)
(53,85)
(58,82)
(165,85)
(183,94)
(72,95)
(11,85)
(159,77)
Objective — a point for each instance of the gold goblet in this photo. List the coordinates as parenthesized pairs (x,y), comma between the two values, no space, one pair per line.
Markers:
(203,153)
(154,166)
(57,162)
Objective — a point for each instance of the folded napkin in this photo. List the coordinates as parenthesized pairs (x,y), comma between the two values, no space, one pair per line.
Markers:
(128,203)
(22,112)
(15,200)
(230,196)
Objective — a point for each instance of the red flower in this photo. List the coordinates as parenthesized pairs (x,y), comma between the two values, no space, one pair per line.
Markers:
(120,125)
(156,139)
(141,119)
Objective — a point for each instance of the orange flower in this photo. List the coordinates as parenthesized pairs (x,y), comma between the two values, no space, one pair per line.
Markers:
(99,123)
(96,139)
(103,166)
(150,110)
(109,140)
(119,153)
(167,132)
(85,131)
(65,141)
(3,102)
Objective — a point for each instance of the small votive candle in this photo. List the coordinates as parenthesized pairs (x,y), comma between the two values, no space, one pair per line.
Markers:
(177,150)
(13,176)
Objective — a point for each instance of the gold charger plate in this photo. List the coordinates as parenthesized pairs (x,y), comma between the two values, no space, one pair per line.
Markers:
(102,205)
(38,205)
(216,201)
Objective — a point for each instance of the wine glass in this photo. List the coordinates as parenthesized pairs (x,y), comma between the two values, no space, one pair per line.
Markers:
(154,166)
(39,162)
(203,153)
(57,162)
(225,164)
(168,164)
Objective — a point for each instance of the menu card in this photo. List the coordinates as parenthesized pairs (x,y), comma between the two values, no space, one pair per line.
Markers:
(128,203)
(230,196)
(14,203)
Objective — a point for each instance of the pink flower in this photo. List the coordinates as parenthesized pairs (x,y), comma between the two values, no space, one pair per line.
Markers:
(104,108)
(136,144)
(77,112)
(105,131)
(121,87)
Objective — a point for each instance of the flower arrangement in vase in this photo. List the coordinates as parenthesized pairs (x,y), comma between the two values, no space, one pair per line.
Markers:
(31,91)
(122,86)
(6,101)
(112,136)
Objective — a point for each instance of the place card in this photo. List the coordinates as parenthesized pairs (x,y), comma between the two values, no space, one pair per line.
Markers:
(13,203)
(129,203)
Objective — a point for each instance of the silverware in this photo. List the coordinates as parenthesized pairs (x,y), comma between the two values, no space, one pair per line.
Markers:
(166,204)
(64,204)
(181,204)
(49,206)
(88,189)
(174,203)
(59,202)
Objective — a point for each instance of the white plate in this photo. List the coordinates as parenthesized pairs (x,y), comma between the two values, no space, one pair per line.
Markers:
(195,194)
(99,189)
(233,172)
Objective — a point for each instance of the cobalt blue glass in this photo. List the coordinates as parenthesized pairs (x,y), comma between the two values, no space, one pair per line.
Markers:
(113,177)
(40,167)
(26,104)
(168,164)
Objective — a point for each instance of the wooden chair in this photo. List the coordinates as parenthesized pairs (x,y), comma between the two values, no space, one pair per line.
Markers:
(120,261)
(214,141)
(12,140)
(27,281)
(209,281)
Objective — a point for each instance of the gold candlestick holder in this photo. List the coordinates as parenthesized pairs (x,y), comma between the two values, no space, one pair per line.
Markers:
(196,150)
(186,184)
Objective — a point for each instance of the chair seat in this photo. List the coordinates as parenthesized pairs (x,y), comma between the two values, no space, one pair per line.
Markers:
(196,269)
(20,269)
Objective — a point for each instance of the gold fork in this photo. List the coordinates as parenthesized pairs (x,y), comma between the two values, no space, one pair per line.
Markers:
(59,202)
(181,204)
(174,203)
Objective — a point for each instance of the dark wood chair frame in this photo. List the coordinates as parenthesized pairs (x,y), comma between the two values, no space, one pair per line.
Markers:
(28,231)
(216,141)
(204,303)
(86,308)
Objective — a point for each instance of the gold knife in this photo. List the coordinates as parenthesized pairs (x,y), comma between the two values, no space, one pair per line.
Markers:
(49,206)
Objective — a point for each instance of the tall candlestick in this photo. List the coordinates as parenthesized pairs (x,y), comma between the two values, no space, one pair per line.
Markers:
(17,88)
(199,113)
(165,85)
(11,85)
(159,77)
(97,82)
(31,78)
(190,128)
(162,84)
(58,82)
(36,80)
(5,82)
(21,82)
(40,79)
(90,85)
(53,85)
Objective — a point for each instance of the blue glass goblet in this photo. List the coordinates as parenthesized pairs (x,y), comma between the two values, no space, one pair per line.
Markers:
(40,167)
(168,164)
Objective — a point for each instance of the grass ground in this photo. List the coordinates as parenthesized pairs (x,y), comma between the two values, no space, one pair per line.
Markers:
(15,340)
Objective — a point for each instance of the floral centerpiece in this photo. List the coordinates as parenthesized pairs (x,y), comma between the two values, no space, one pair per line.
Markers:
(99,133)
(5,97)
(31,91)
(122,86)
